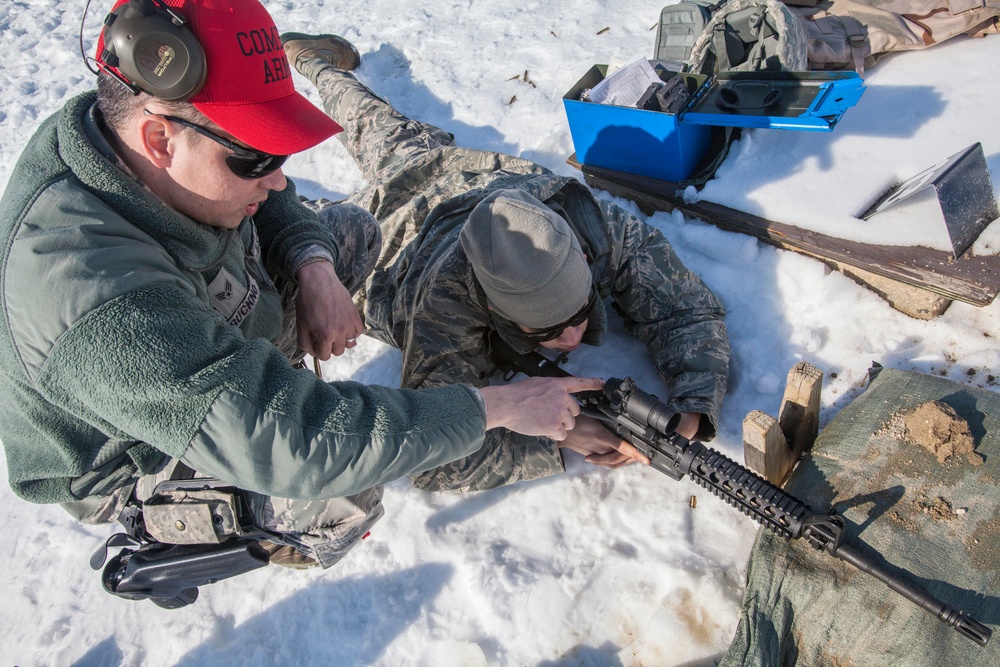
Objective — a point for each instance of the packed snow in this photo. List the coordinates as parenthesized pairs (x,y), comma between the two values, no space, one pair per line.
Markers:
(593,567)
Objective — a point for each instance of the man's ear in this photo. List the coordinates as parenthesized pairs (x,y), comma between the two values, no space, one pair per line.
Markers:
(157,140)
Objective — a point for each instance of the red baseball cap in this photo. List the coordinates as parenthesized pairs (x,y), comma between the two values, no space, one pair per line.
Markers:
(248,89)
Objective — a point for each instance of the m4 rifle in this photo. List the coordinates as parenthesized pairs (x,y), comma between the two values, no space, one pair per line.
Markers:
(649,425)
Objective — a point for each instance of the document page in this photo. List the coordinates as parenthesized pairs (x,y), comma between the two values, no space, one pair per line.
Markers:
(625,85)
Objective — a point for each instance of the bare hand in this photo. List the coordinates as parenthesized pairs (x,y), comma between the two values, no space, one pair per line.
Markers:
(600,446)
(537,406)
(688,425)
(327,319)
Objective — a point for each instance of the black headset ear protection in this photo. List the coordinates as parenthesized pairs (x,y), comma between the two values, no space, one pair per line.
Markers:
(154,51)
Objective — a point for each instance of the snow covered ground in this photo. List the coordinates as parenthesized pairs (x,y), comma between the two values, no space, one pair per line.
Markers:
(594,567)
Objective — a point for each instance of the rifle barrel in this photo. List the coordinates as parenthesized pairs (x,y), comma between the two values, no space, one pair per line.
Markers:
(916,594)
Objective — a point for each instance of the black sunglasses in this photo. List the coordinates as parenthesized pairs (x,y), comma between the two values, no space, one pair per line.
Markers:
(553,332)
(244,162)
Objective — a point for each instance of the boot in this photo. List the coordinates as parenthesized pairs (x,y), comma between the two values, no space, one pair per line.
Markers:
(300,48)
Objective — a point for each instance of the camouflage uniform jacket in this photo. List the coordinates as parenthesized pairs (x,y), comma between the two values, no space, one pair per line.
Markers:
(423,297)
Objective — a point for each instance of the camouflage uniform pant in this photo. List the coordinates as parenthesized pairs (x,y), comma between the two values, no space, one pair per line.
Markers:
(381,140)
(323,530)
(378,137)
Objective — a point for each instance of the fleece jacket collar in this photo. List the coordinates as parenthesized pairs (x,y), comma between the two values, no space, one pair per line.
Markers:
(193,245)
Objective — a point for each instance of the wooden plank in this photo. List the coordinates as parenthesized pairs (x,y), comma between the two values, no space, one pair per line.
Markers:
(765,449)
(971,279)
(799,415)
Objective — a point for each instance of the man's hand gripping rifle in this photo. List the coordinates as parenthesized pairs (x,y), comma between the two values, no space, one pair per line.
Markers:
(648,423)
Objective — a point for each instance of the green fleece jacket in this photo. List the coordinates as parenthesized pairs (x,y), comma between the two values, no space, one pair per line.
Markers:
(121,342)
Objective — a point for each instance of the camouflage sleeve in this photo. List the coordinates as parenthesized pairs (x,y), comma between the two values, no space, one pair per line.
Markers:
(444,343)
(673,313)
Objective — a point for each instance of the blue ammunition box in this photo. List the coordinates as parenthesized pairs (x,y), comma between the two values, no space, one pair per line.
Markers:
(669,146)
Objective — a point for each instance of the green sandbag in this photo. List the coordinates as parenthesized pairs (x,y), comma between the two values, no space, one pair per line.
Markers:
(934,515)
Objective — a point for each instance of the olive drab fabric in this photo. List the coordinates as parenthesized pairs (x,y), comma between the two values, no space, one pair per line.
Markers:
(750,36)
(680,25)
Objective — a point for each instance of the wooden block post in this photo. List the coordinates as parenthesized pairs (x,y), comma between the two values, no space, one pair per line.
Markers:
(772,447)
(799,416)
(765,448)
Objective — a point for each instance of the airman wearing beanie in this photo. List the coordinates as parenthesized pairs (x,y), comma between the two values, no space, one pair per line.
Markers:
(527,260)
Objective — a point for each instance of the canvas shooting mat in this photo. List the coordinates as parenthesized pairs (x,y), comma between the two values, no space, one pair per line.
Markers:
(913,464)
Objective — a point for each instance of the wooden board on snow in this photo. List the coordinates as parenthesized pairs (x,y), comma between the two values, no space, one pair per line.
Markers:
(971,279)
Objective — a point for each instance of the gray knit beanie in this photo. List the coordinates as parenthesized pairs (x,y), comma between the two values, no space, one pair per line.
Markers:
(527,260)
